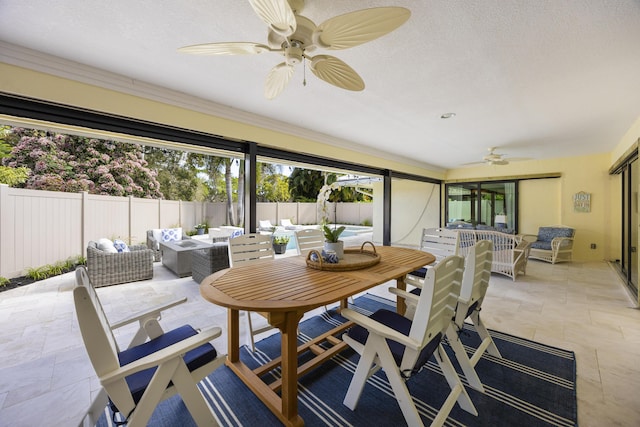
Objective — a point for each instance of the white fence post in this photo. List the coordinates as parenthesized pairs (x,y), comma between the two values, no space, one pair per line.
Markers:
(5,211)
(84,233)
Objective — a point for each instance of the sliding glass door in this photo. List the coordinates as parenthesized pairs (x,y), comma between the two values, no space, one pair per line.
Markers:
(629,255)
(482,203)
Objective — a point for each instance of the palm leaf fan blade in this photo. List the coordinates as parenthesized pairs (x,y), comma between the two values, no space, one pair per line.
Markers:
(230,48)
(336,72)
(355,28)
(277,79)
(277,14)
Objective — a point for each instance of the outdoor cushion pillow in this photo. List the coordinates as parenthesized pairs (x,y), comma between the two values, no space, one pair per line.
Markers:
(106,245)
(171,234)
(120,246)
(157,234)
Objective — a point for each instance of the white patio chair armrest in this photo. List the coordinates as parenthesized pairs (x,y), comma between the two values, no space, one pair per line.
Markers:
(379,329)
(163,355)
(153,312)
(465,299)
(528,237)
(408,296)
(418,282)
(519,253)
(558,242)
(522,249)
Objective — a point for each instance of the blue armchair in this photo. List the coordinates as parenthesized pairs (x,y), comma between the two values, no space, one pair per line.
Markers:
(552,244)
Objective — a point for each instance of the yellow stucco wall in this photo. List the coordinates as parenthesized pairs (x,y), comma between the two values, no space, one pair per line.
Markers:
(587,173)
(532,212)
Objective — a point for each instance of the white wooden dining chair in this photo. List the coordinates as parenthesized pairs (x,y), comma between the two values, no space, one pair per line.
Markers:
(413,343)
(475,282)
(155,365)
(308,239)
(250,249)
(439,242)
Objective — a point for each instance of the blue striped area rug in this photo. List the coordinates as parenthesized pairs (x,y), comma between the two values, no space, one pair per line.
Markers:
(532,385)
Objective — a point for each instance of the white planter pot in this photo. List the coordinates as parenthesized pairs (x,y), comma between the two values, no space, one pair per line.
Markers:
(337,247)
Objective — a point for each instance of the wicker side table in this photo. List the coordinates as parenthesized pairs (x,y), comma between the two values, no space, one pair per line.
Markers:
(209,260)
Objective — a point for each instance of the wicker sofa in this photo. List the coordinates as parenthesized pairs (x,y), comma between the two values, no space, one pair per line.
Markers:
(105,268)
(510,252)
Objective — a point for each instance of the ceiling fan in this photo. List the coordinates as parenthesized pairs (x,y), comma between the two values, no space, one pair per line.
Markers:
(494,158)
(295,36)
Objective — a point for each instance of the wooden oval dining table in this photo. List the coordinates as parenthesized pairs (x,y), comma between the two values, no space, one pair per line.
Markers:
(284,290)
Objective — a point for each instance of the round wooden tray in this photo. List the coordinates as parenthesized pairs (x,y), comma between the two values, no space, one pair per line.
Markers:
(354,259)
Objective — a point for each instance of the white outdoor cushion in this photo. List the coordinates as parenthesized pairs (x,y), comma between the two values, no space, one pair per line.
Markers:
(106,245)
(157,234)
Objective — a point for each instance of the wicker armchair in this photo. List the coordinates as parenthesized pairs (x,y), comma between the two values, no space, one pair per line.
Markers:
(209,260)
(552,244)
(106,268)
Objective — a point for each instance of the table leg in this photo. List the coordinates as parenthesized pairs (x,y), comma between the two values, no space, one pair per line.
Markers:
(289,367)
(344,303)
(233,340)
(401,305)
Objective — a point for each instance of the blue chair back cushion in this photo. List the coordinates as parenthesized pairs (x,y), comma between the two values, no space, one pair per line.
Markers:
(547,234)
(400,324)
(194,359)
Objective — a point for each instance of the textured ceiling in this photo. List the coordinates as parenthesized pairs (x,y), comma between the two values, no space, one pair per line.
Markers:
(538,79)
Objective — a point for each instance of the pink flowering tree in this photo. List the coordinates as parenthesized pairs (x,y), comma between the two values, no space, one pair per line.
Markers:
(74,163)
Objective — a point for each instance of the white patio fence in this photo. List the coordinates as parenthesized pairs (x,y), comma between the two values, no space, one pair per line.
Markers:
(43,227)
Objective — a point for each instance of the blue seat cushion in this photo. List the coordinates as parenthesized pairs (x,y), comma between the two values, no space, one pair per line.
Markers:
(421,272)
(194,359)
(400,324)
(541,244)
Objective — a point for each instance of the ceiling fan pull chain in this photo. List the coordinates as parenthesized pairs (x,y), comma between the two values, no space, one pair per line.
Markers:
(304,71)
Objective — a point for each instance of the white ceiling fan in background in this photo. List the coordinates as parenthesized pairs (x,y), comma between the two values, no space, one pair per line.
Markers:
(295,37)
(494,158)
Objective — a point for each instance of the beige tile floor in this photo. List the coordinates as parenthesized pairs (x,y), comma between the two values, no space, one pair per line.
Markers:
(46,378)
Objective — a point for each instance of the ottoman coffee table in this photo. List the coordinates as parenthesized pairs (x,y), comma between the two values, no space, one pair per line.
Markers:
(176,255)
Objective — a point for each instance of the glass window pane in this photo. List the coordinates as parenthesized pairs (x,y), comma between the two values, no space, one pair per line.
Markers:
(482,203)
(461,204)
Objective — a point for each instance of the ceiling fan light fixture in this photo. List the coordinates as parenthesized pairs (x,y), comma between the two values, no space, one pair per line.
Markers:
(448,115)
(293,54)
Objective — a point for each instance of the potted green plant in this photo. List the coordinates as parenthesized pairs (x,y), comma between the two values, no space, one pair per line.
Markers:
(280,244)
(332,240)
(200,228)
